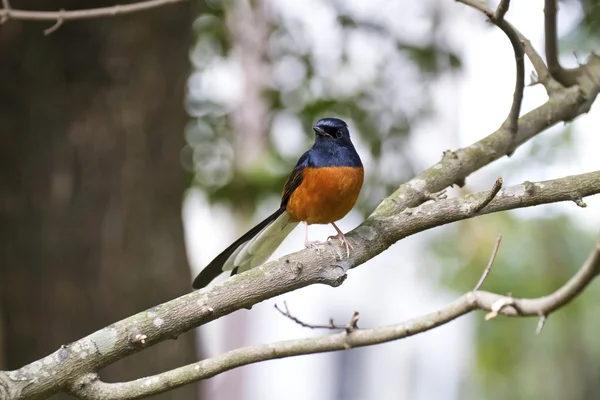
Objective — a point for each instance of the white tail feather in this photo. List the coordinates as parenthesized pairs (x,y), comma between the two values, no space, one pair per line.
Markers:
(257,250)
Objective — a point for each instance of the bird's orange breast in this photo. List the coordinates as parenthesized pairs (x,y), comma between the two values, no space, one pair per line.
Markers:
(325,194)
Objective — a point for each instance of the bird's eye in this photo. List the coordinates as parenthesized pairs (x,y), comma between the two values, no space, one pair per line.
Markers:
(338,134)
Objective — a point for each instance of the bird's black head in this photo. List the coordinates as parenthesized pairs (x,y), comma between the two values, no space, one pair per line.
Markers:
(332,129)
(333,147)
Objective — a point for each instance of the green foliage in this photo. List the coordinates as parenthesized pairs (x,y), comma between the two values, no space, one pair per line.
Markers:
(584,37)
(431,58)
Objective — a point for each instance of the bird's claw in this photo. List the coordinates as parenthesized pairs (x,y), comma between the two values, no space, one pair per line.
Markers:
(344,241)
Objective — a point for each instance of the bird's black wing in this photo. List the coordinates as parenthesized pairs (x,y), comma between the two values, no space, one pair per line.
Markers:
(214,269)
(295,178)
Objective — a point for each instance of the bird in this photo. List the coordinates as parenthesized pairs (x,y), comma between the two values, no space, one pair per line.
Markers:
(321,189)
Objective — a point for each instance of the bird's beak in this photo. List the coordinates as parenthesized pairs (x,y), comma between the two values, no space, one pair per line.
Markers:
(320,131)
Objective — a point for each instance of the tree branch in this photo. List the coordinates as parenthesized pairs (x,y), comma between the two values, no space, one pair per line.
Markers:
(63,369)
(497,18)
(566,77)
(61,16)
(92,388)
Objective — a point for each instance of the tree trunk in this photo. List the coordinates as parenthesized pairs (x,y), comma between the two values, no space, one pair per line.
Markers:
(91,129)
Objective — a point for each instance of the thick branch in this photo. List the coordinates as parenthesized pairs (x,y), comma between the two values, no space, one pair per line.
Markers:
(94,389)
(57,371)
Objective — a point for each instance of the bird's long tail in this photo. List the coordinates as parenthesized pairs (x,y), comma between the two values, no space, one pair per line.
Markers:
(250,250)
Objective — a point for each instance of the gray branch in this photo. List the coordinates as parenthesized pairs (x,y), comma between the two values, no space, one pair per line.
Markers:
(61,16)
(6,12)
(94,389)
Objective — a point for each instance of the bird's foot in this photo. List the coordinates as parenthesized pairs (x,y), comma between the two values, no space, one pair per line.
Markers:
(344,241)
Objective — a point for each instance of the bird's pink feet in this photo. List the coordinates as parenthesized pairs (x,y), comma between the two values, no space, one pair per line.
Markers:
(340,235)
(310,244)
(342,239)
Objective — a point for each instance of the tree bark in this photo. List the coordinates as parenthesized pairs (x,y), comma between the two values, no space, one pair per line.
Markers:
(91,129)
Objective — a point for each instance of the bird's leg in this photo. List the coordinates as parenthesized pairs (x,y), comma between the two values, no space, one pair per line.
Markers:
(307,242)
(342,238)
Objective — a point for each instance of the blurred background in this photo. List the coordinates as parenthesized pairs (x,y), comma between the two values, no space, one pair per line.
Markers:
(134,149)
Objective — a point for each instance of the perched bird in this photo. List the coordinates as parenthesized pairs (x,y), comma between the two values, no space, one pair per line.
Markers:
(321,189)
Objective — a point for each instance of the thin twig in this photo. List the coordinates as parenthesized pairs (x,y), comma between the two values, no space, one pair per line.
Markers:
(57,24)
(10,13)
(491,194)
(541,323)
(488,268)
(349,327)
